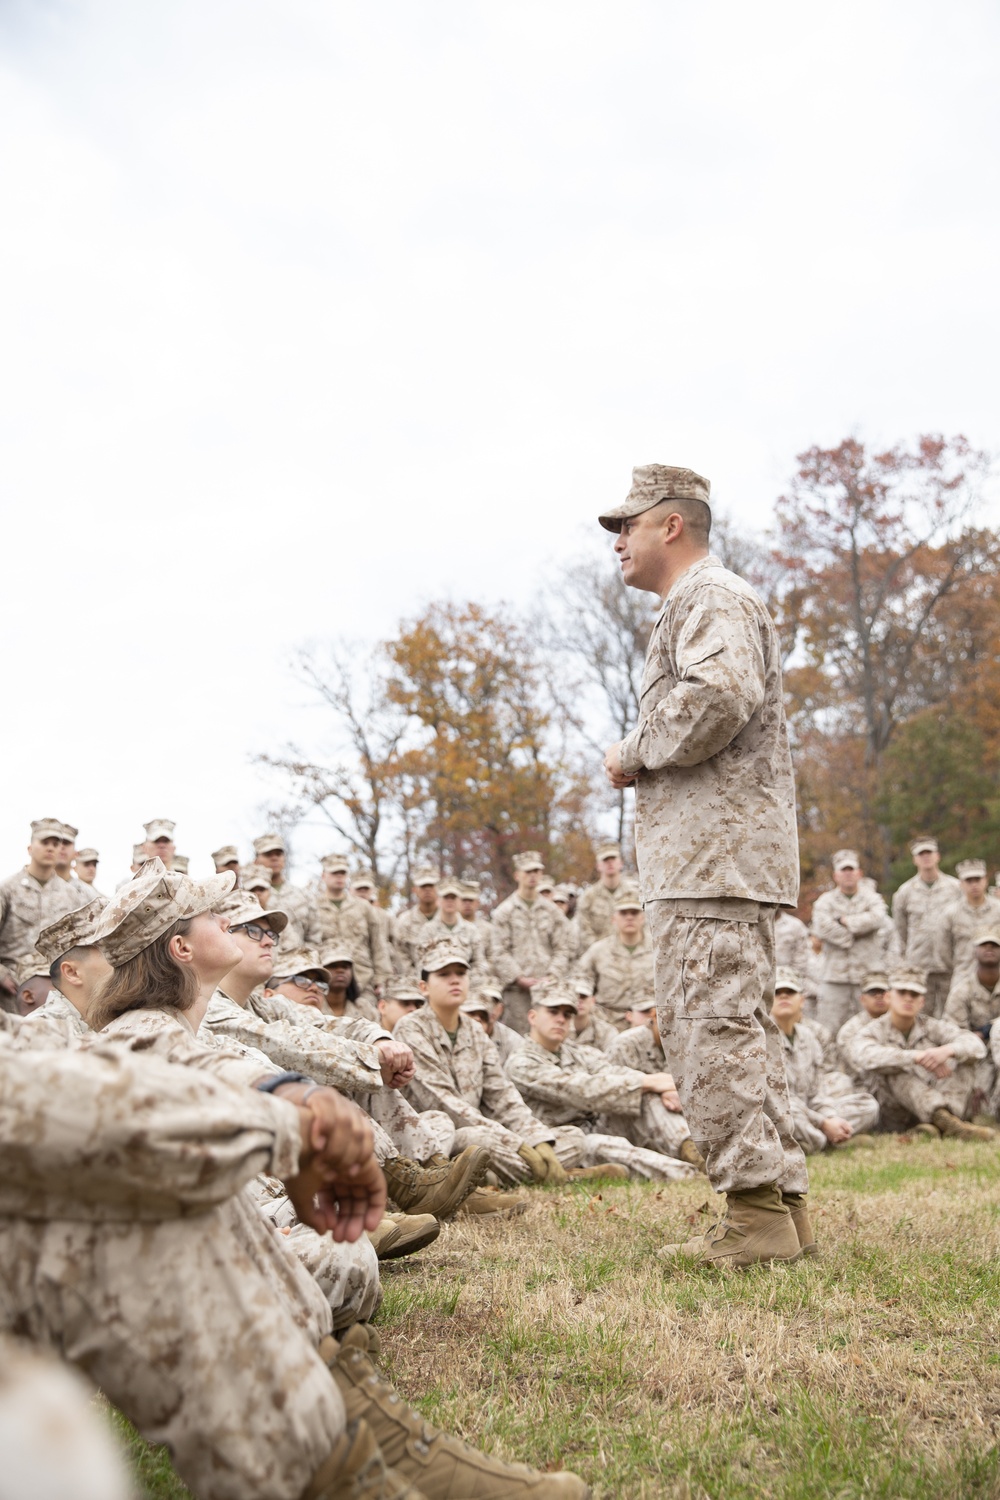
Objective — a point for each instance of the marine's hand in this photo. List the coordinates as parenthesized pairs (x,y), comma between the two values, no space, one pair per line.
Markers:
(613,768)
(396,1062)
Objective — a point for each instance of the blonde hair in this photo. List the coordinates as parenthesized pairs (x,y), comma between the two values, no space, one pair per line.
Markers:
(153,980)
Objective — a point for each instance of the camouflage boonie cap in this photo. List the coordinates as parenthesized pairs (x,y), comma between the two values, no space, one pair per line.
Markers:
(256,878)
(159,828)
(87,856)
(47,828)
(969,869)
(787,979)
(991,935)
(607,851)
(874,981)
(180,864)
(846,859)
(652,483)
(332,864)
(552,993)
(426,875)
(73,930)
(31,966)
(269,843)
(924,845)
(227,854)
(336,954)
(628,900)
(302,961)
(240,906)
(69,832)
(406,987)
(908,979)
(529,860)
(146,906)
(439,954)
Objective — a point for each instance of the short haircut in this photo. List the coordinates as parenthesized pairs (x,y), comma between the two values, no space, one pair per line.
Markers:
(696,515)
(55,967)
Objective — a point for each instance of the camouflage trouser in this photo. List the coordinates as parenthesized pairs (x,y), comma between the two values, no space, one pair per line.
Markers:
(201,1330)
(918,1094)
(714,976)
(347,1275)
(859,1109)
(835,1004)
(503,1146)
(596,1147)
(655,1127)
(938,985)
(417,1136)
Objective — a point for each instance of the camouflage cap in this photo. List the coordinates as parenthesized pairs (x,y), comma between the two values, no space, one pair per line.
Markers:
(470,890)
(991,935)
(332,864)
(552,993)
(476,1005)
(226,854)
(255,878)
(336,954)
(608,851)
(405,987)
(180,863)
(449,887)
(47,828)
(364,880)
(75,929)
(491,988)
(874,981)
(529,860)
(652,483)
(69,832)
(583,987)
(301,961)
(159,828)
(269,843)
(439,954)
(240,907)
(561,893)
(787,979)
(87,856)
(846,859)
(908,979)
(546,883)
(146,906)
(31,966)
(970,869)
(647,1002)
(628,900)
(924,845)
(426,875)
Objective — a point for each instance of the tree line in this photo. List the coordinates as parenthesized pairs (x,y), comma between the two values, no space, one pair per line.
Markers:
(472,732)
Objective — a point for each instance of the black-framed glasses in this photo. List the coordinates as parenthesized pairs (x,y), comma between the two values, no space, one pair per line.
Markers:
(305,982)
(254,931)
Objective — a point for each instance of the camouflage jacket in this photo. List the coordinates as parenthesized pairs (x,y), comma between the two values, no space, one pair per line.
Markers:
(618,975)
(530,939)
(465,1079)
(168,1034)
(807,1073)
(575,1084)
(880,1048)
(854,947)
(958,927)
(466,935)
(638,1048)
(506,1040)
(300,909)
(917,909)
(410,934)
(791,946)
(56,1016)
(298,1039)
(595,910)
(715,795)
(970,1004)
(353,923)
(26,905)
(596,1032)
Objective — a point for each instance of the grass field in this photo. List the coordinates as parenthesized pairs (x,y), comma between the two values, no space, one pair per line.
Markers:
(873,1371)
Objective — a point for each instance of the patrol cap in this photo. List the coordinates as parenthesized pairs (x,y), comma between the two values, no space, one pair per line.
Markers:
(529,860)
(440,954)
(256,878)
(159,828)
(652,483)
(363,880)
(87,856)
(228,854)
(180,863)
(407,987)
(924,845)
(608,851)
(69,832)
(47,828)
(969,869)
(648,1002)
(470,890)
(628,901)
(426,875)
(75,929)
(333,864)
(583,988)
(546,884)
(787,979)
(846,859)
(31,966)
(908,979)
(269,843)
(874,981)
(561,893)
(552,994)
(146,906)
(240,906)
(336,954)
(492,989)
(301,961)
(991,935)
(449,887)
(476,1005)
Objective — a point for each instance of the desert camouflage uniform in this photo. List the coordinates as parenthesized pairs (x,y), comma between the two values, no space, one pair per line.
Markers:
(506,1040)
(958,927)
(817,1093)
(26,905)
(121,1181)
(595,910)
(353,923)
(361,1008)
(465,1080)
(850,951)
(917,909)
(411,932)
(529,938)
(300,909)
(717,850)
(793,951)
(466,935)
(970,1004)
(638,1048)
(618,975)
(596,1032)
(905,1090)
(57,1016)
(841,1055)
(582,1087)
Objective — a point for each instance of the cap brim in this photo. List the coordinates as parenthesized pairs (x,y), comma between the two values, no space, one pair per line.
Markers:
(612,520)
(212,890)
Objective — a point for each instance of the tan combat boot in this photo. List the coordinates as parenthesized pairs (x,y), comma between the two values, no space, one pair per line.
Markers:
(403,1234)
(490,1200)
(604,1171)
(688,1151)
(950,1124)
(437,1190)
(357,1470)
(756,1227)
(441,1467)
(796,1205)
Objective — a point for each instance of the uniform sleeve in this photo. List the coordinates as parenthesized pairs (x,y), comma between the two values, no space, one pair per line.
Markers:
(559,937)
(349,1066)
(611,1090)
(502,1101)
(381,957)
(721,674)
(871,916)
(505,965)
(868,1055)
(826,926)
(585,920)
(969,1045)
(901,917)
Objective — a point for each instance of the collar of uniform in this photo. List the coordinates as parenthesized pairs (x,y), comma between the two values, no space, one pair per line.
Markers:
(703,562)
(560,1059)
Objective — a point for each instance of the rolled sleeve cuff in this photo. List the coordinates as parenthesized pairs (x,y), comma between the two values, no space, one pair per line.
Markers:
(287,1139)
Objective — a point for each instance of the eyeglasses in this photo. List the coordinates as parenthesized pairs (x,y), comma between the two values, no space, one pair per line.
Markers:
(306,982)
(254,931)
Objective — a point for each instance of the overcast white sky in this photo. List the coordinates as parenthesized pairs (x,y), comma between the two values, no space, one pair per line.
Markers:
(312,312)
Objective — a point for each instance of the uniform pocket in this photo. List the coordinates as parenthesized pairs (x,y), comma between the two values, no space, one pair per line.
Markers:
(717,970)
